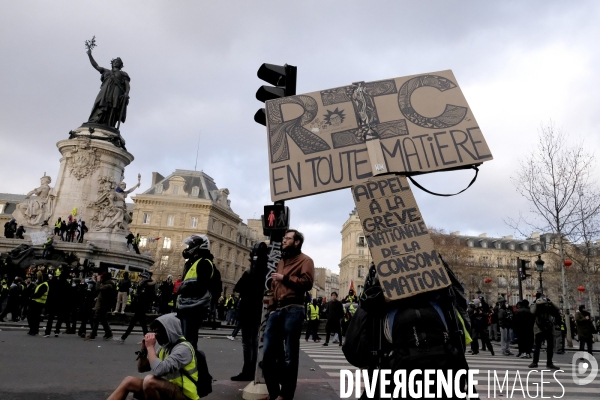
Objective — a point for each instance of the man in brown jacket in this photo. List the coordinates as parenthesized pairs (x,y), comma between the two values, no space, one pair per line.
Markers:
(294,276)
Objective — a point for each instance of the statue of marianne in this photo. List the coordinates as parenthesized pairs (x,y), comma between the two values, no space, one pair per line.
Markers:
(111,103)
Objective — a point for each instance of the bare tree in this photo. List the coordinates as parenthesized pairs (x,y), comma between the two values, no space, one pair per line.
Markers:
(557,180)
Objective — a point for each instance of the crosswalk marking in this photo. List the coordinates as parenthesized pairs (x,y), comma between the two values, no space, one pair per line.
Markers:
(331,360)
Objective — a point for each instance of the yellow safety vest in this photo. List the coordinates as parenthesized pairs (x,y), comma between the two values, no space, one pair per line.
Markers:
(192,275)
(57,224)
(42,300)
(313,312)
(178,378)
(351,310)
(228,301)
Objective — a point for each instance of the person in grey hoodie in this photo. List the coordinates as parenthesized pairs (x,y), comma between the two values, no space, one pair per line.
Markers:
(168,354)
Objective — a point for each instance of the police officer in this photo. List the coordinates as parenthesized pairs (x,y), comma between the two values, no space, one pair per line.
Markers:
(194,298)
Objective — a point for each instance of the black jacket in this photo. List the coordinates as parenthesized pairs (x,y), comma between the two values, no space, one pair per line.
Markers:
(335,312)
(523,321)
(251,296)
(124,285)
(144,295)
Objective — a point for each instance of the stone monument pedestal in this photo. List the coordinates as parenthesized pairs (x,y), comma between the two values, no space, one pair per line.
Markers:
(88,168)
(90,187)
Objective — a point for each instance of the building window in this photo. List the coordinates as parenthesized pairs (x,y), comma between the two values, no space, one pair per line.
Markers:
(511,246)
(164,261)
(470,243)
(471,260)
(485,260)
(194,222)
(499,261)
(146,219)
(195,191)
(175,189)
(360,289)
(170,220)
(361,252)
(484,244)
(502,282)
(159,189)
(361,271)
(361,241)
(143,241)
(166,243)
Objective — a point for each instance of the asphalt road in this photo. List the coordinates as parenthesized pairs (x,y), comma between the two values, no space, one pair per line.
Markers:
(68,368)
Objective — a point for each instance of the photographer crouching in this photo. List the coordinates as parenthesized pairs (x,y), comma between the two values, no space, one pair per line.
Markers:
(172,363)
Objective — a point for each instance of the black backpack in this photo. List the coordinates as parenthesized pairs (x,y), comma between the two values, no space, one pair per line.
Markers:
(215,286)
(205,379)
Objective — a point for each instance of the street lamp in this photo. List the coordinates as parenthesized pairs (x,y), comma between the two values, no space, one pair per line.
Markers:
(539,266)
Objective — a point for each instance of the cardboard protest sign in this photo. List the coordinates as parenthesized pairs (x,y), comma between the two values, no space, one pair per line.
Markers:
(336,138)
(400,244)
(38,238)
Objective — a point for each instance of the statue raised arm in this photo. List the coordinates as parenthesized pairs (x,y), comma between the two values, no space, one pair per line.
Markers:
(110,106)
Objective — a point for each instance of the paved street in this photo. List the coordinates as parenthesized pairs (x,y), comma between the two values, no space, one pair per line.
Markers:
(331,360)
(68,368)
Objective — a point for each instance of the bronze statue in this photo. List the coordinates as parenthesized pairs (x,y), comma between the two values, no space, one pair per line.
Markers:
(110,107)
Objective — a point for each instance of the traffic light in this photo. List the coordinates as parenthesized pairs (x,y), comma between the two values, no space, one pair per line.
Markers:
(276,218)
(523,270)
(284,80)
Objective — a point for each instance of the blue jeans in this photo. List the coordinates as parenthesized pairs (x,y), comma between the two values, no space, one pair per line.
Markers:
(284,328)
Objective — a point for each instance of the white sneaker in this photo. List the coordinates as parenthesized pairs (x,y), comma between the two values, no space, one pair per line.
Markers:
(230,338)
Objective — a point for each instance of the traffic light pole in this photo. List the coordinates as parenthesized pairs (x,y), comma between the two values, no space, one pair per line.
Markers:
(519,274)
(257,389)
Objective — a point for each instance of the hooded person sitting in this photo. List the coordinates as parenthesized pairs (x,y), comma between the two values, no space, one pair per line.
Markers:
(171,361)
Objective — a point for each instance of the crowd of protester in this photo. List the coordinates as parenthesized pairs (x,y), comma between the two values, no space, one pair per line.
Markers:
(528,326)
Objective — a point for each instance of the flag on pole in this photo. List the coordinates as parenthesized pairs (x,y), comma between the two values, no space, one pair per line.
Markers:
(352,286)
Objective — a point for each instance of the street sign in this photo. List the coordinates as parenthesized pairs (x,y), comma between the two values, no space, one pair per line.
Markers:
(400,244)
(336,138)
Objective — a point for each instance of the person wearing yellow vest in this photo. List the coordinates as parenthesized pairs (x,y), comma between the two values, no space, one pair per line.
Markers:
(36,304)
(193,296)
(171,362)
(312,318)
(57,227)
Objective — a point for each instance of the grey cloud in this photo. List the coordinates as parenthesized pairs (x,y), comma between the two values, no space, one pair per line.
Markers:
(193,67)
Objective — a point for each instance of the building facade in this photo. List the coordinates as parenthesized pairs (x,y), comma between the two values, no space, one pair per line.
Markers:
(183,204)
(325,282)
(8,204)
(356,258)
(489,266)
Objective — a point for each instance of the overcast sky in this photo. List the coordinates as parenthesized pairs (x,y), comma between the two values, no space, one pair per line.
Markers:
(193,73)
